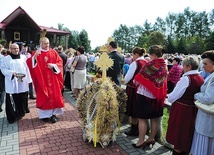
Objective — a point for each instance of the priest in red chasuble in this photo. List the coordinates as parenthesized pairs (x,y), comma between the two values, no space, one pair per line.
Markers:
(47,74)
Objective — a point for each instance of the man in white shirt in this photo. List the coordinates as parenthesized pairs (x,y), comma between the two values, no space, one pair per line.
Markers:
(17,79)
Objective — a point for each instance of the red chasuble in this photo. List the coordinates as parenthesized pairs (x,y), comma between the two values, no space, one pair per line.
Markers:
(48,85)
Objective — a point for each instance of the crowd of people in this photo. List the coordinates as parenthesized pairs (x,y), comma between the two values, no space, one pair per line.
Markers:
(151,77)
(179,79)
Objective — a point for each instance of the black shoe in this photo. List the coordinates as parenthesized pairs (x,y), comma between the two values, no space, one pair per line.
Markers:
(53,119)
(10,122)
(32,97)
(177,153)
(45,119)
(139,146)
(133,131)
(18,118)
(1,109)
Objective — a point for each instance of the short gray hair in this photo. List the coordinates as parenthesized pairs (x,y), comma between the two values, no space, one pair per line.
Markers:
(191,61)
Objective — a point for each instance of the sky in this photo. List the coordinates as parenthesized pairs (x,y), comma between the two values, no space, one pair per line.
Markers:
(100,17)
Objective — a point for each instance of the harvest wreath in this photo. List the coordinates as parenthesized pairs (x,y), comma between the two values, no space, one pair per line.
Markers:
(101,107)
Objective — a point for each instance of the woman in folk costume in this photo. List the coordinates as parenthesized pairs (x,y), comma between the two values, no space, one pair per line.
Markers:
(180,132)
(203,139)
(151,93)
(131,110)
(16,87)
(47,73)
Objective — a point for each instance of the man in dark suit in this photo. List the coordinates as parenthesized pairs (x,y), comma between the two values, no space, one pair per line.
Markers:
(64,60)
(116,71)
(63,56)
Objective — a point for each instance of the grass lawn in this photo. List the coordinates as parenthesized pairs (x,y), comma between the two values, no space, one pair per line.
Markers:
(165,122)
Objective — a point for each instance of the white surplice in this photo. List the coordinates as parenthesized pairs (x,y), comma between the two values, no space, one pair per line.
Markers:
(8,67)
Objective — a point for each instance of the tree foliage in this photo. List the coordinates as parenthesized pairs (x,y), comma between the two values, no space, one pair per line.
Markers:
(210,42)
(156,38)
(75,39)
(170,48)
(84,41)
(183,32)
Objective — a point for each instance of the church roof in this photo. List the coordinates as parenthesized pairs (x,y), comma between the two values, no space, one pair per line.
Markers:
(20,18)
(54,30)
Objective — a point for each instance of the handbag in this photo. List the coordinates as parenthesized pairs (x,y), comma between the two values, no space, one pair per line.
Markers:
(72,69)
(208,108)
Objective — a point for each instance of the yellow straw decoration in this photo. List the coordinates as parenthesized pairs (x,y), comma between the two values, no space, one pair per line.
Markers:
(101,107)
(95,133)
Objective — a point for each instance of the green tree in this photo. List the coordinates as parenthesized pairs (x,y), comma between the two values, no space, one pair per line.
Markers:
(170,48)
(73,40)
(143,41)
(156,38)
(210,42)
(83,36)
(121,36)
(141,38)
(62,39)
(160,25)
(126,37)
(181,46)
(183,30)
(195,47)
(202,24)
(148,28)
(60,26)
(170,24)
(211,19)
(179,24)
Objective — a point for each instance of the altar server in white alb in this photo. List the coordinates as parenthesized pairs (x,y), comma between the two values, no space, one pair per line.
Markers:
(17,79)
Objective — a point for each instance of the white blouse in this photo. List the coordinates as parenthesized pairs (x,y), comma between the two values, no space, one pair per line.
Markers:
(132,69)
(181,86)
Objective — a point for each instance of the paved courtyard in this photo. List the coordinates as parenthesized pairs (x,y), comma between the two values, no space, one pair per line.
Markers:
(31,136)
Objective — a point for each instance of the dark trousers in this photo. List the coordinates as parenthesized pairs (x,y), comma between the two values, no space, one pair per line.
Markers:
(31,89)
(2,88)
(67,81)
(2,96)
(17,109)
